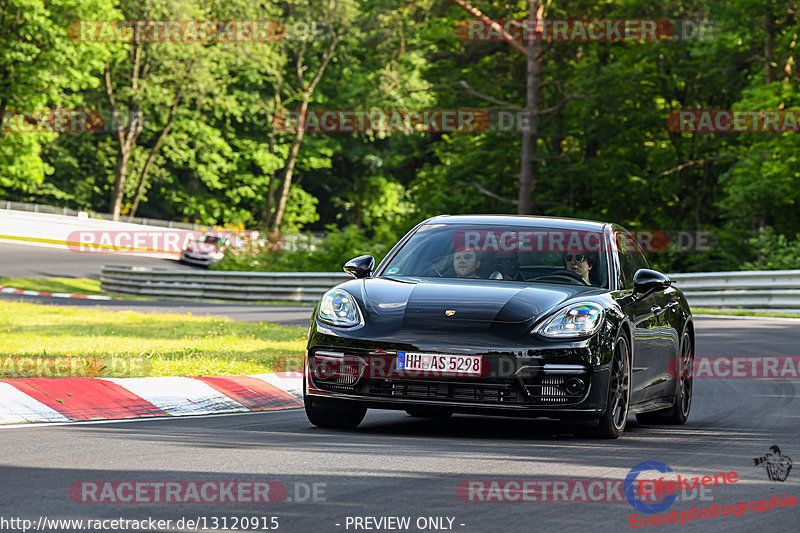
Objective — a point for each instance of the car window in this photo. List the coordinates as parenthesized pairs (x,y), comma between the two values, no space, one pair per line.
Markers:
(631,258)
(510,253)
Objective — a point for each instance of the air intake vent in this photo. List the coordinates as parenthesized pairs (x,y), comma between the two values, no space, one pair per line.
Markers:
(421,390)
(546,384)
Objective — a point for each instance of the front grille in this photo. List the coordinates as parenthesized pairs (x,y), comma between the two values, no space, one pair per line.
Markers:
(430,390)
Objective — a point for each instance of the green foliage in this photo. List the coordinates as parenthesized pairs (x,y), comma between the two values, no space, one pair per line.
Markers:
(605,151)
(773,251)
(41,69)
(762,187)
(305,253)
(301,209)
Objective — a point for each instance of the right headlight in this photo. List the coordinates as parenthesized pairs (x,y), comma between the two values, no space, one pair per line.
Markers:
(339,308)
(577,320)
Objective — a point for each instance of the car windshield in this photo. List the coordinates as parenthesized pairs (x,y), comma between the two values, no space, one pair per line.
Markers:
(511,253)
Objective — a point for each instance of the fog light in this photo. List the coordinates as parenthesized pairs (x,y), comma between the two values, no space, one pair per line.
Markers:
(575,386)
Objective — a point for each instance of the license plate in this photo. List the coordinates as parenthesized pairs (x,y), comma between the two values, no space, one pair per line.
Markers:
(455,364)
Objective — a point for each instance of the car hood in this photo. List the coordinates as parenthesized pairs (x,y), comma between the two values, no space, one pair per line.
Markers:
(446,304)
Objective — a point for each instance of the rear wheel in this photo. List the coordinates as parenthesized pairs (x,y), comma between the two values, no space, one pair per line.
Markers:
(429,412)
(329,414)
(684,382)
(613,421)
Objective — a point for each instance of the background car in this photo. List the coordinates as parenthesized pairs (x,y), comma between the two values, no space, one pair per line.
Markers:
(208,250)
(424,334)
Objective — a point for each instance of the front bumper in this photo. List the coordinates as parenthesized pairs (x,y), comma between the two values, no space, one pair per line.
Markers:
(198,259)
(532,386)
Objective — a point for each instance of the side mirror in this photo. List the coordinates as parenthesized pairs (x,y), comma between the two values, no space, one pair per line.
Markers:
(647,281)
(360,267)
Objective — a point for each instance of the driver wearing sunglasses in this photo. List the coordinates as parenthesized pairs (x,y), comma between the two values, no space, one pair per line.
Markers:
(580,264)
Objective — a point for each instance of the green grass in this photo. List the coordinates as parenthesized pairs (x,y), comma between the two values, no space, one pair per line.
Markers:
(69,285)
(37,340)
(742,312)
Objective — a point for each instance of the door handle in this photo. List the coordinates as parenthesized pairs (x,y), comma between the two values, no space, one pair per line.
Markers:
(655,309)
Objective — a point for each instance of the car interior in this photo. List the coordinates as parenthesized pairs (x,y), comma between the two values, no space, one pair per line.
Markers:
(432,255)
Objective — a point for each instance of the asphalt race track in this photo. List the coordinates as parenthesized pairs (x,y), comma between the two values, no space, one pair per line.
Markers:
(17,260)
(398,466)
(24,260)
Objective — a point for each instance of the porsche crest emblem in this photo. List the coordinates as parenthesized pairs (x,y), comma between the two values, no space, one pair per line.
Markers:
(450,312)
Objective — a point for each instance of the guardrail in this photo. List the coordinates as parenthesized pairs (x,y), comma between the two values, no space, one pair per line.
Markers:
(67,211)
(768,289)
(763,289)
(305,287)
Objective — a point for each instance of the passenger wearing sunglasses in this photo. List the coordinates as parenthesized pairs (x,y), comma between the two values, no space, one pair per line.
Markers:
(580,264)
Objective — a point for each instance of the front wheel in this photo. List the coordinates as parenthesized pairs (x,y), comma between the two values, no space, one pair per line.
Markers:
(613,421)
(328,414)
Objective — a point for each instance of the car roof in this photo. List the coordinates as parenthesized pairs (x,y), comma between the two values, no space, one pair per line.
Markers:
(520,220)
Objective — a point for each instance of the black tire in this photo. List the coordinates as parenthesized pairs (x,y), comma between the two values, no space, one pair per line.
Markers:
(612,423)
(679,412)
(429,412)
(327,414)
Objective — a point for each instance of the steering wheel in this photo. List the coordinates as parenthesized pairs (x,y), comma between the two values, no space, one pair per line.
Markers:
(563,275)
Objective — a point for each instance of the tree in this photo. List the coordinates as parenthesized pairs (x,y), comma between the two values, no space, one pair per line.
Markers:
(35,47)
(307,60)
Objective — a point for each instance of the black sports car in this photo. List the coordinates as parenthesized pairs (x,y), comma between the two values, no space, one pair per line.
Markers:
(503,315)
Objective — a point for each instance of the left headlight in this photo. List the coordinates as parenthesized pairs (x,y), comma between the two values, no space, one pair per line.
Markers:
(576,320)
(339,308)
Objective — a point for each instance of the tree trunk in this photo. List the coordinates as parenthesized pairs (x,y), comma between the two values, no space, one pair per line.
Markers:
(266,213)
(769,44)
(290,162)
(151,157)
(126,137)
(308,91)
(120,176)
(530,134)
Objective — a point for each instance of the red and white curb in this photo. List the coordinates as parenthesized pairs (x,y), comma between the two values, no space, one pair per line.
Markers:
(72,399)
(12,290)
